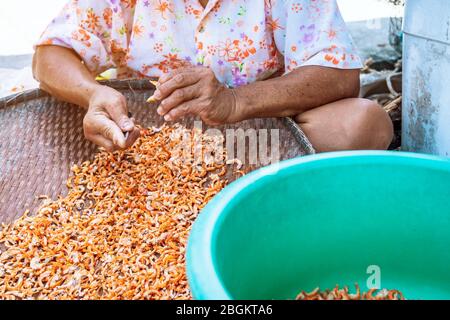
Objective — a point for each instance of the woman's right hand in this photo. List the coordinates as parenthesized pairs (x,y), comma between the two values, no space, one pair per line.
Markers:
(107,121)
(107,117)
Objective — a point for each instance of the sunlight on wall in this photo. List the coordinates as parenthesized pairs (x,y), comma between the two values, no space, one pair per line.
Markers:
(22,22)
(358,10)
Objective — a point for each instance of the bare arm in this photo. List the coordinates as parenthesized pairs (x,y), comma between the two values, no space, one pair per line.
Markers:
(195,90)
(61,73)
(301,90)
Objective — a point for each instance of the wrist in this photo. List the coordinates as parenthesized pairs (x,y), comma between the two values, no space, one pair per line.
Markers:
(91,92)
(237,112)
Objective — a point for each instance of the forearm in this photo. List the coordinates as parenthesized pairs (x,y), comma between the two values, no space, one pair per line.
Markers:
(302,89)
(61,73)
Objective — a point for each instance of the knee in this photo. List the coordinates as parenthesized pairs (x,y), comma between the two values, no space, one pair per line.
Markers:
(369,127)
(349,124)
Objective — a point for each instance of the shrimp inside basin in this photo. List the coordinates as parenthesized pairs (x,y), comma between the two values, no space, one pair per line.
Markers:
(323,220)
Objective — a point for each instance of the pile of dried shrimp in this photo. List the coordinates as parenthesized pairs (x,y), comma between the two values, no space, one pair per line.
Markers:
(344,294)
(121,231)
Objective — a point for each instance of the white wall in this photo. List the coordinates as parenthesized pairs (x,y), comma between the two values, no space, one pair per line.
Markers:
(359,10)
(22,22)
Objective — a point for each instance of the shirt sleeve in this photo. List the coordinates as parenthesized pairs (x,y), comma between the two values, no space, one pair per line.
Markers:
(95,29)
(312,32)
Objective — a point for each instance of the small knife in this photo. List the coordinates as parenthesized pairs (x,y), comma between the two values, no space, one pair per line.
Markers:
(152,98)
(127,133)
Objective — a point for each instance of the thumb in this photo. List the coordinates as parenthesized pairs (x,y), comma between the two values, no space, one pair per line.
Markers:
(119,114)
(111,131)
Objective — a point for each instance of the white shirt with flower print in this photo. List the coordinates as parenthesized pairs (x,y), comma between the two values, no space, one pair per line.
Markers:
(242,41)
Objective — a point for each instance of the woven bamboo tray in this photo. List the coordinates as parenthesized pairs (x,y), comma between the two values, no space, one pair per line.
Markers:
(41,137)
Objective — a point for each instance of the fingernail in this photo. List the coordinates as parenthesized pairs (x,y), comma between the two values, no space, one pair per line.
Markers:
(127,125)
(159,111)
(119,143)
(167,117)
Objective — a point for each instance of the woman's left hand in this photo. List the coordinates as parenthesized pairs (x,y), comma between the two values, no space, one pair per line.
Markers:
(195,91)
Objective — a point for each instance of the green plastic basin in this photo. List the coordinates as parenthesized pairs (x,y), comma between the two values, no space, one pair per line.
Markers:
(323,220)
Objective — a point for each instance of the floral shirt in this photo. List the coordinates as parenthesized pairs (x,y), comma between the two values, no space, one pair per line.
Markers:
(240,40)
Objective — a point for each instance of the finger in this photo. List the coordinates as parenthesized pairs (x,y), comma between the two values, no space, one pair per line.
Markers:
(101,141)
(132,137)
(109,130)
(118,112)
(183,110)
(178,97)
(179,81)
(167,76)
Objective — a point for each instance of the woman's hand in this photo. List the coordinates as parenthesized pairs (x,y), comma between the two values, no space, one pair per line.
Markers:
(106,118)
(195,91)
(107,121)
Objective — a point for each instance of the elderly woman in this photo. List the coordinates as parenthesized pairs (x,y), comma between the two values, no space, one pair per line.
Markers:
(222,60)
